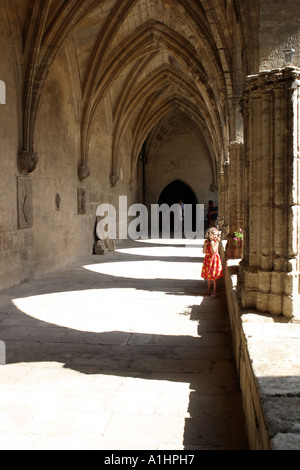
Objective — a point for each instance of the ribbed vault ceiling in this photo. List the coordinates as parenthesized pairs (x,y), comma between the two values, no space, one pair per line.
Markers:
(155,58)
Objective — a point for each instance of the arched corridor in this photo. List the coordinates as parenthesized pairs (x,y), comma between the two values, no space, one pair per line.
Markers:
(120,352)
(103,101)
(120,98)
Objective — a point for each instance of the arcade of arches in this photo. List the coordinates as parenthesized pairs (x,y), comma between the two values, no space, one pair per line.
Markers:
(110,97)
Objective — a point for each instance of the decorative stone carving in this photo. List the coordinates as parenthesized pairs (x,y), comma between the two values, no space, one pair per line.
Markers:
(102,247)
(25,207)
(57,202)
(133,185)
(110,244)
(27,161)
(83,172)
(81,201)
(113,179)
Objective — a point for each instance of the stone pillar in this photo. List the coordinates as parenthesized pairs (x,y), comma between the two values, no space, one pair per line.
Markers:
(226,193)
(235,207)
(269,273)
(222,198)
(236,187)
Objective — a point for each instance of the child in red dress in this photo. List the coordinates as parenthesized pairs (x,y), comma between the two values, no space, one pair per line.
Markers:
(212,269)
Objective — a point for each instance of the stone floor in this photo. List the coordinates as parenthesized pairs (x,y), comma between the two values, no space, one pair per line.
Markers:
(120,352)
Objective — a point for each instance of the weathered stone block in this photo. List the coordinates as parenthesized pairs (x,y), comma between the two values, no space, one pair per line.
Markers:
(264,279)
(275,304)
(277,283)
(290,283)
(290,306)
(262,301)
(248,298)
(250,280)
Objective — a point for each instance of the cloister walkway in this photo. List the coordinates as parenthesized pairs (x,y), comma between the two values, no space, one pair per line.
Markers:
(120,352)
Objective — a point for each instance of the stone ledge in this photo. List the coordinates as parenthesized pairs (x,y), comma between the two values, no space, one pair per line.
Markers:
(286,442)
(267,355)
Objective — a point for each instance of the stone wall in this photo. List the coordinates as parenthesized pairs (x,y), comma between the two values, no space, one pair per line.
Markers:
(180,155)
(44,224)
(14,243)
(256,425)
(279,31)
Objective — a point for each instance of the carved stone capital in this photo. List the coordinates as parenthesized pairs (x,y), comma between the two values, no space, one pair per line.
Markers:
(113,179)
(83,172)
(133,185)
(27,161)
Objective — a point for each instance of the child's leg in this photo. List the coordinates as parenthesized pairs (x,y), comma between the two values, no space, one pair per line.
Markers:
(215,289)
(208,286)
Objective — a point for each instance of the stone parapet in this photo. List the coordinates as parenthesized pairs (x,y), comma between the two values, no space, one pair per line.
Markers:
(266,349)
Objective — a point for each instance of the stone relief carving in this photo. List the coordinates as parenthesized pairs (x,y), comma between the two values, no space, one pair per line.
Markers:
(113,179)
(133,185)
(81,201)
(102,247)
(57,202)
(27,161)
(83,172)
(25,208)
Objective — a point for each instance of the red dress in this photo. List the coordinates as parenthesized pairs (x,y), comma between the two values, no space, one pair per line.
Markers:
(212,268)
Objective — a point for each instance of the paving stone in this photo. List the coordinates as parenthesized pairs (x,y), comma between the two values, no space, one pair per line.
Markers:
(101,361)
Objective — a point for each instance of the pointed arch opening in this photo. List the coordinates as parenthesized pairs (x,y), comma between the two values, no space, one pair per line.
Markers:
(176,192)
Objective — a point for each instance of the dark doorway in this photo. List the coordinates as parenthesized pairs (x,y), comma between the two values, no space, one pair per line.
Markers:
(176,191)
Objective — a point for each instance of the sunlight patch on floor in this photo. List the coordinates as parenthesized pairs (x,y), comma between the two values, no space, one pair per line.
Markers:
(105,310)
(164,251)
(173,241)
(149,270)
(120,413)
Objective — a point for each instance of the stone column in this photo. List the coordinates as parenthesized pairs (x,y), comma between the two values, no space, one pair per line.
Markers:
(236,195)
(269,273)
(222,201)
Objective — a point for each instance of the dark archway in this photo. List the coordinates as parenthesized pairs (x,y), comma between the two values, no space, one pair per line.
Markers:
(176,191)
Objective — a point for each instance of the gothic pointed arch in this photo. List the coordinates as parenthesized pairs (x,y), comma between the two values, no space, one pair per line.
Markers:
(174,191)
(206,56)
(190,35)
